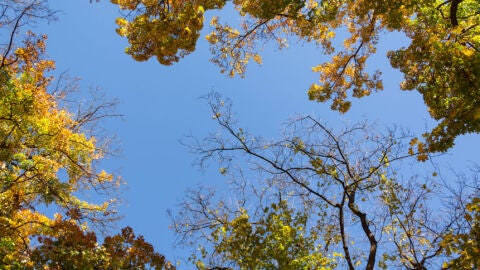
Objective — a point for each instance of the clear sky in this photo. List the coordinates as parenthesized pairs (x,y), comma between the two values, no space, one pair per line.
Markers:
(161,105)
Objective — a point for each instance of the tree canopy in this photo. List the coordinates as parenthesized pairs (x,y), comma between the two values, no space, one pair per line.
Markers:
(48,161)
(316,198)
(336,198)
(441,61)
(45,158)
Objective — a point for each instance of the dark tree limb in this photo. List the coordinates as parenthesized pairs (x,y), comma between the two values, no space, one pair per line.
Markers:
(453,12)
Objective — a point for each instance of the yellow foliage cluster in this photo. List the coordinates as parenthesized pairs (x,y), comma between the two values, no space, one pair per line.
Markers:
(44,159)
(276,240)
(466,245)
(168,30)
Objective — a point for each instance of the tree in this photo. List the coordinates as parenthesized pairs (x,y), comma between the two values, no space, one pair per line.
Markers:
(363,211)
(273,237)
(69,247)
(441,62)
(48,161)
(465,245)
(45,157)
(74,248)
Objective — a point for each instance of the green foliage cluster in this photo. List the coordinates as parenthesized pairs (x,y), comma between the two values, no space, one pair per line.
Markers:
(278,240)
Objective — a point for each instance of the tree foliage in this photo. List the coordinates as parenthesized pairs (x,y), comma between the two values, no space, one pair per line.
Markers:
(362,210)
(276,241)
(48,161)
(441,61)
(325,198)
(168,30)
(74,248)
(45,158)
(272,237)
(466,245)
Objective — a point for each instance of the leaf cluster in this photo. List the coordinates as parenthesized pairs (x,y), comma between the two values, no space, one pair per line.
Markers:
(441,61)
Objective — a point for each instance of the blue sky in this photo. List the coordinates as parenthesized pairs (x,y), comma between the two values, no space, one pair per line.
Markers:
(161,105)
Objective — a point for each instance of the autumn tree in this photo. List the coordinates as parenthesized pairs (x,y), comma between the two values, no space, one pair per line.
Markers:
(49,160)
(74,248)
(441,61)
(271,236)
(45,158)
(341,196)
(465,245)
